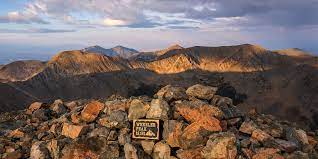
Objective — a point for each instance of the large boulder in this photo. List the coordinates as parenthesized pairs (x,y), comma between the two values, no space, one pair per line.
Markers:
(170,93)
(138,109)
(220,146)
(201,92)
(159,109)
(91,111)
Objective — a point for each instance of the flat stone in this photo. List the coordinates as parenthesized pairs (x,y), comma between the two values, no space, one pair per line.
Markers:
(267,153)
(220,145)
(73,131)
(91,111)
(138,109)
(261,135)
(190,153)
(201,91)
(159,109)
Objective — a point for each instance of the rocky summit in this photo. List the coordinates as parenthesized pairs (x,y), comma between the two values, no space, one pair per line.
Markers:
(195,123)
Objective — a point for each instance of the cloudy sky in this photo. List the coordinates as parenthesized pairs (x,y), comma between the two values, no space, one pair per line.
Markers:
(48,26)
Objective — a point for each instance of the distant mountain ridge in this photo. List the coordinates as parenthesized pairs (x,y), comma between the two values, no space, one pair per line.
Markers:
(273,82)
(119,50)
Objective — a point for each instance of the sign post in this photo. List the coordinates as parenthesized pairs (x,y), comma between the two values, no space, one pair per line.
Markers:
(146,129)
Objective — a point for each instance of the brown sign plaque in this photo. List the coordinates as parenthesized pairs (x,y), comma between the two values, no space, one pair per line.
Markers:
(146,129)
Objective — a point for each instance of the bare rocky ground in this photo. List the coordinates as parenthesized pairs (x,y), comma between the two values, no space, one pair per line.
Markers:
(195,124)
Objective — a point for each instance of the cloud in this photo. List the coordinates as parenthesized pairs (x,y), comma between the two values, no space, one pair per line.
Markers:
(164,13)
(21,18)
(36,30)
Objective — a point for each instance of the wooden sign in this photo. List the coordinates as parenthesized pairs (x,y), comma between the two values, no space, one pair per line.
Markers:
(146,129)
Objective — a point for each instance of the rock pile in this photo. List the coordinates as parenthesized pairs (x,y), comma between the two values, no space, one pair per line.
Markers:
(195,124)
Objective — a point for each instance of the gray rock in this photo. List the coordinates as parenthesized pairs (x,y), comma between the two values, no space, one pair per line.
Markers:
(170,93)
(161,151)
(138,109)
(39,151)
(201,92)
(159,109)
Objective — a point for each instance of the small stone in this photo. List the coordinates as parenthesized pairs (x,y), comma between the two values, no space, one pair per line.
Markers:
(91,111)
(221,101)
(261,135)
(138,109)
(245,143)
(76,117)
(113,135)
(247,153)
(170,93)
(201,92)
(54,149)
(220,145)
(159,109)
(248,127)
(298,155)
(99,132)
(147,146)
(161,151)
(234,121)
(41,114)
(39,150)
(73,131)
(71,105)
(130,151)
(124,136)
(17,133)
(33,107)
(58,107)
(117,119)
(190,153)
(282,145)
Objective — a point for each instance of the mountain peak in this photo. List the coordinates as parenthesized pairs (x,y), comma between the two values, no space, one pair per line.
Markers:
(174,47)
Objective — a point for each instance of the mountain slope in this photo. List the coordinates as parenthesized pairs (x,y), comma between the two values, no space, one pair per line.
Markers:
(20,70)
(151,56)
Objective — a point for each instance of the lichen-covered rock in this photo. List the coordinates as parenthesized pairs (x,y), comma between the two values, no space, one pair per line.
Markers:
(220,146)
(91,111)
(159,109)
(172,130)
(170,93)
(138,109)
(117,119)
(201,92)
